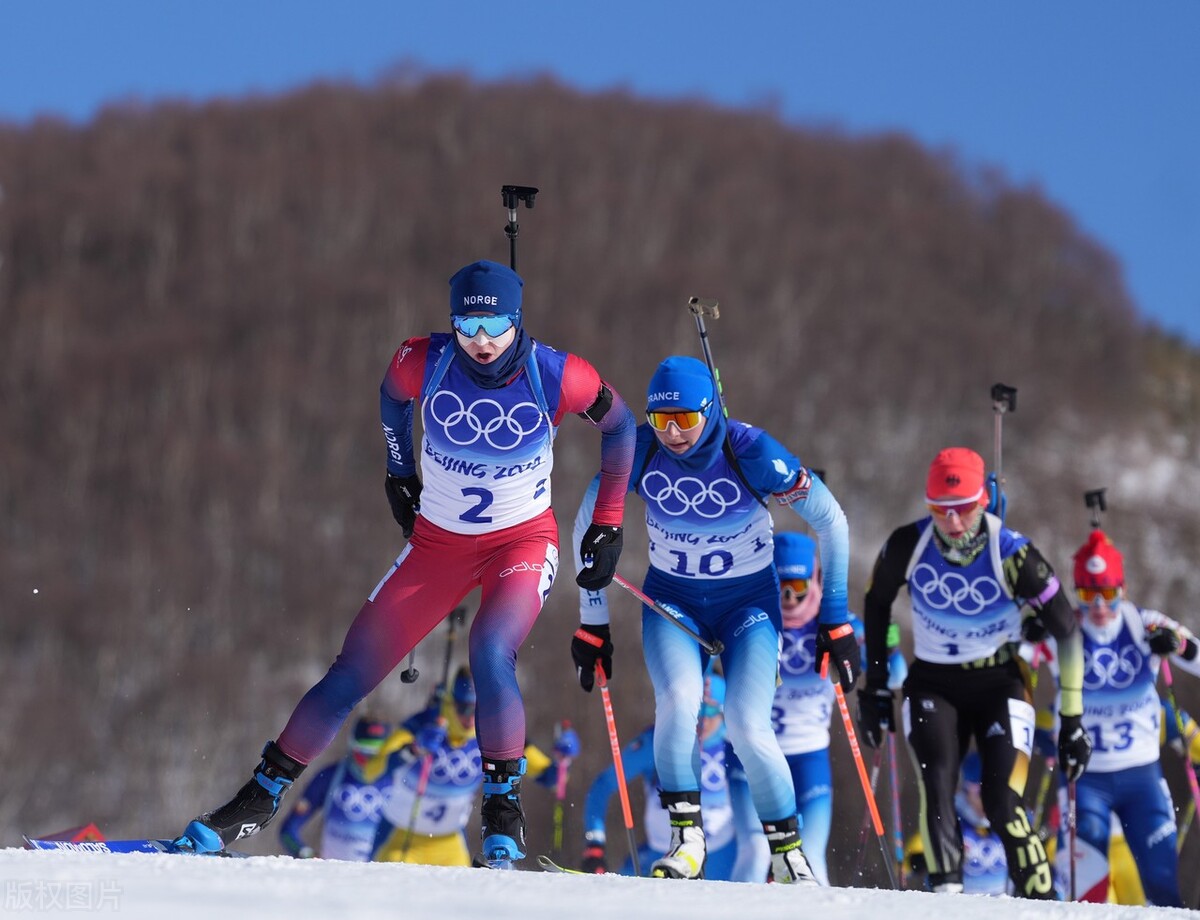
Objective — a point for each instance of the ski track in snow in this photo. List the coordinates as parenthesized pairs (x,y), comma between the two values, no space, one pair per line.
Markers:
(147,887)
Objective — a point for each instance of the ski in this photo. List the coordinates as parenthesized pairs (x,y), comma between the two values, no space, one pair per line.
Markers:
(549,865)
(146,845)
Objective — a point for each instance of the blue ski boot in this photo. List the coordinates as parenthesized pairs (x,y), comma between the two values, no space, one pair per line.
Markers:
(503,831)
(249,811)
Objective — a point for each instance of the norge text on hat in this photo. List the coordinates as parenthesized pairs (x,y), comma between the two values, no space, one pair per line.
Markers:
(486,287)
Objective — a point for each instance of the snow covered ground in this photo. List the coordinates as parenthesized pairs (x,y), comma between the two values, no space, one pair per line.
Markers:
(144,887)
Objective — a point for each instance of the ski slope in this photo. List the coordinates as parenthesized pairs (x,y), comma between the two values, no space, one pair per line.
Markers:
(144,887)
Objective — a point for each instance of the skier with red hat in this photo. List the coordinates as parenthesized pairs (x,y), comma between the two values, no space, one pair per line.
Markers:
(969,578)
(1123,646)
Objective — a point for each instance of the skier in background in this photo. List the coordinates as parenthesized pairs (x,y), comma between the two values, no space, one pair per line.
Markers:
(491,400)
(424,819)
(1123,645)
(968,577)
(637,758)
(435,771)
(348,795)
(705,482)
(801,715)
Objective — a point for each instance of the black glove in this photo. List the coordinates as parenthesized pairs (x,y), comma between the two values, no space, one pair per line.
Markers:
(1033,630)
(404,495)
(593,859)
(1163,641)
(842,646)
(1074,747)
(589,645)
(600,549)
(876,712)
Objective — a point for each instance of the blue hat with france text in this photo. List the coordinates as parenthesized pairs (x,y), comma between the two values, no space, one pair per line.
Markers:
(795,555)
(486,287)
(681,383)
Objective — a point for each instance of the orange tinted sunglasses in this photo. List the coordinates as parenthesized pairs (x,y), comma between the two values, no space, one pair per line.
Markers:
(797,586)
(962,509)
(685,419)
(1089,595)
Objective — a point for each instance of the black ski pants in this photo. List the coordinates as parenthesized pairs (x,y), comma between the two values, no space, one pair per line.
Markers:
(945,706)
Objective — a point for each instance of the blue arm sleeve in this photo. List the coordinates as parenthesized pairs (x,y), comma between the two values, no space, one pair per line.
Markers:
(593,605)
(397,420)
(822,512)
(771,469)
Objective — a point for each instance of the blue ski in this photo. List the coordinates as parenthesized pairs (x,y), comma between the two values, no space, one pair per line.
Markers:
(148,845)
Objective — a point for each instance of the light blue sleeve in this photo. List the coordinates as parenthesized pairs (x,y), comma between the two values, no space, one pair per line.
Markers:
(824,515)
(593,605)
(771,468)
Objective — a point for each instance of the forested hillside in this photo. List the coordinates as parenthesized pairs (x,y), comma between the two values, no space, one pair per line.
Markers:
(198,304)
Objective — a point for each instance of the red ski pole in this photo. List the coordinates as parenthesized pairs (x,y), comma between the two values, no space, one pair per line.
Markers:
(862,769)
(615,743)
(1187,760)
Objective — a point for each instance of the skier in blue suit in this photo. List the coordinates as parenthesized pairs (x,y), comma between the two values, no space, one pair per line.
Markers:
(637,759)
(706,482)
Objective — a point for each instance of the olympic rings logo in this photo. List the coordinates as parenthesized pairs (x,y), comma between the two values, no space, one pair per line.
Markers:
(1106,667)
(712,771)
(798,654)
(484,418)
(688,493)
(457,767)
(359,802)
(941,591)
(986,857)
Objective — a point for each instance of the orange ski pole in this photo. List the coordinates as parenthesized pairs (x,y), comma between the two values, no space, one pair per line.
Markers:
(615,744)
(862,769)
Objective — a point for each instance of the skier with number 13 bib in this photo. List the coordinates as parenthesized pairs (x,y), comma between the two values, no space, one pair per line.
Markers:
(491,400)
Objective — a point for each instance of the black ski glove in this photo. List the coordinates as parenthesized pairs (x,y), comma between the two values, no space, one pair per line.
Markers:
(1074,747)
(600,549)
(589,645)
(1033,630)
(842,647)
(1162,641)
(876,714)
(404,495)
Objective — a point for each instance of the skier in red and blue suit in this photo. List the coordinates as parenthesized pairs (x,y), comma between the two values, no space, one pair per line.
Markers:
(491,400)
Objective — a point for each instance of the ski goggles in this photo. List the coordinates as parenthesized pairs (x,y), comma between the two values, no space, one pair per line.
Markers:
(365,752)
(962,509)
(796,587)
(493,325)
(685,419)
(709,709)
(1091,595)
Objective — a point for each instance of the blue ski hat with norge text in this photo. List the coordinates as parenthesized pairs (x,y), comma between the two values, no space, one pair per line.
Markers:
(486,287)
(795,555)
(683,383)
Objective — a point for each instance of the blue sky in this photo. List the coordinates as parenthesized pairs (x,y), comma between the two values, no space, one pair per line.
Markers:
(1097,102)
